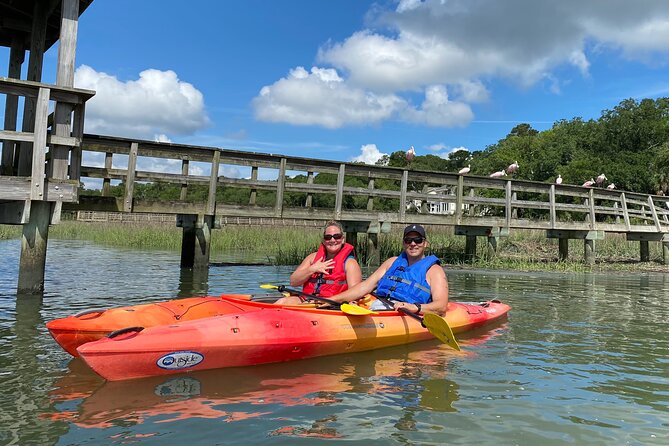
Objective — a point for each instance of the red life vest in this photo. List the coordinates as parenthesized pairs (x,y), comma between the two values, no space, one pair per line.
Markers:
(326,285)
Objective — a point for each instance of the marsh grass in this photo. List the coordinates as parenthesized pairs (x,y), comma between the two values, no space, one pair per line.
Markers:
(522,250)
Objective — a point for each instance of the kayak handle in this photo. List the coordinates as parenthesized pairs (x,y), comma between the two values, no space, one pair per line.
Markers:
(125,330)
(89,311)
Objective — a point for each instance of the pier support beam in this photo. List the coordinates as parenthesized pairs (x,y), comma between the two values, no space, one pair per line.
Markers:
(471,232)
(665,252)
(196,240)
(372,229)
(491,247)
(563,247)
(33,249)
(644,251)
(588,237)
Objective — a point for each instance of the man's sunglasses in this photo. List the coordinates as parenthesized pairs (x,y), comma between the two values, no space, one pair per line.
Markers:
(416,240)
(333,236)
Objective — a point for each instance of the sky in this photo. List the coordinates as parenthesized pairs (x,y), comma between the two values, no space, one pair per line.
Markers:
(351,80)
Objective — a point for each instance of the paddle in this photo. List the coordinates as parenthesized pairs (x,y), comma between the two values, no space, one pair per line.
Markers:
(347,308)
(435,324)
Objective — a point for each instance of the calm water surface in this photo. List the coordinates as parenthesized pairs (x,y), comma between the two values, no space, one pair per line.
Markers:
(583,359)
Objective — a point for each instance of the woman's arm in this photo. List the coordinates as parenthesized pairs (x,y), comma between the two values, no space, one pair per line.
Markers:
(353,272)
(304,271)
(366,286)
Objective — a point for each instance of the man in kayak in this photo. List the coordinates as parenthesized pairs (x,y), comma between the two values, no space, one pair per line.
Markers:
(411,280)
(328,271)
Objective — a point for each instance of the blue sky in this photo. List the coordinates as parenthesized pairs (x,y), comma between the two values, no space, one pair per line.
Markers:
(352,79)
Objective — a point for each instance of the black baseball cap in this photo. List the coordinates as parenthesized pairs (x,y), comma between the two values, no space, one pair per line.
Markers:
(415,228)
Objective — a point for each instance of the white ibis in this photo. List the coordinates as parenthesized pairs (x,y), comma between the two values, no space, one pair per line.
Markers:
(589,183)
(600,179)
(611,186)
(512,168)
(498,174)
(558,180)
(410,154)
(465,170)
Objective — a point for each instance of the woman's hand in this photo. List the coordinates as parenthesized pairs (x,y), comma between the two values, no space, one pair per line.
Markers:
(322,266)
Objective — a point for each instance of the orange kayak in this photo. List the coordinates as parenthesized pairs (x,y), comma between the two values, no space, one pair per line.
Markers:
(87,326)
(264,333)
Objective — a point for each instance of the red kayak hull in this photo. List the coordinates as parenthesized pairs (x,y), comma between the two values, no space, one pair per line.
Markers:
(265,333)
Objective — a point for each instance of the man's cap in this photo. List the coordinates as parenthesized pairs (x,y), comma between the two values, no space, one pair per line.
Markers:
(415,228)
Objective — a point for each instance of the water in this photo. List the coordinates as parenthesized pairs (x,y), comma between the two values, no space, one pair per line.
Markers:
(583,359)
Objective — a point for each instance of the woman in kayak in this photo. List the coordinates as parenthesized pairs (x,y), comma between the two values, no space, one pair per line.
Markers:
(411,280)
(328,271)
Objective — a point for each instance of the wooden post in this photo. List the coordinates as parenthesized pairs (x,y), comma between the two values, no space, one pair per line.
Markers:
(213,182)
(491,247)
(589,251)
(280,185)
(185,165)
(626,215)
(196,240)
(370,199)
(665,253)
(339,197)
(352,239)
(33,249)
(470,248)
(551,205)
(373,250)
(592,209)
(459,200)
(403,195)
(130,179)
(106,182)
(472,209)
(310,180)
(254,191)
(16,58)
(563,244)
(644,251)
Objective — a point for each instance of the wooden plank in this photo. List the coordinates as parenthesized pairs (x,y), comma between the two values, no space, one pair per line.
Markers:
(370,198)
(656,220)
(592,209)
(403,195)
(11,135)
(130,179)
(459,199)
(280,187)
(507,204)
(254,192)
(30,89)
(211,198)
(39,145)
(552,211)
(310,180)
(339,197)
(626,215)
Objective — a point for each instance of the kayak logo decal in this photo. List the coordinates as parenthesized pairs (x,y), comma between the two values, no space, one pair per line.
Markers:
(179,360)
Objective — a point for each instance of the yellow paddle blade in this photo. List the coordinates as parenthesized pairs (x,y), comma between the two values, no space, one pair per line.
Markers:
(440,329)
(267,286)
(356,310)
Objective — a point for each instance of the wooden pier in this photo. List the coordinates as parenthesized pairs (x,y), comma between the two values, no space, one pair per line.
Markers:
(41,169)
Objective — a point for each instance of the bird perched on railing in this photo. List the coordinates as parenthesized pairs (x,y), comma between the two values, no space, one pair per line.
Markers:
(512,168)
(611,186)
(498,174)
(558,180)
(411,153)
(465,170)
(600,179)
(589,183)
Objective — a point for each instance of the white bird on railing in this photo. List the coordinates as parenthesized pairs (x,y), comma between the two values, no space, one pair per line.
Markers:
(611,186)
(465,170)
(600,179)
(410,154)
(589,183)
(512,168)
(558,180)
(498,174)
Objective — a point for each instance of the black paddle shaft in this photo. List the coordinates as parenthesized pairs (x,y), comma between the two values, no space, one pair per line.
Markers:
(283,288)
(387,301)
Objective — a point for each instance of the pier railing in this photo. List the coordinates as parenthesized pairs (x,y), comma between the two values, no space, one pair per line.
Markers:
(355,192)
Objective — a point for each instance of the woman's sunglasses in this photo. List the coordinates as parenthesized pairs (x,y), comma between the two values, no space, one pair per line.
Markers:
(416,240)
(333,236)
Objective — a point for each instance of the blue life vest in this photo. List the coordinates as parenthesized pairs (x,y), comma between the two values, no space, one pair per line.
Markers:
(407,283)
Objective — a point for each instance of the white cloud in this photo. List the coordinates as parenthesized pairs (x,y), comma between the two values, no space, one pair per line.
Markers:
(459,47)
(156,104)
(321,97)
(369,154)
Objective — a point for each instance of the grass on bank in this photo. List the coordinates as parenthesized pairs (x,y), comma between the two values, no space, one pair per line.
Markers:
(522,250)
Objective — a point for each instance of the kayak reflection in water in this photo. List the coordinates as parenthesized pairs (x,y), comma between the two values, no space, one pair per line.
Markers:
(332,269)
(412,281)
